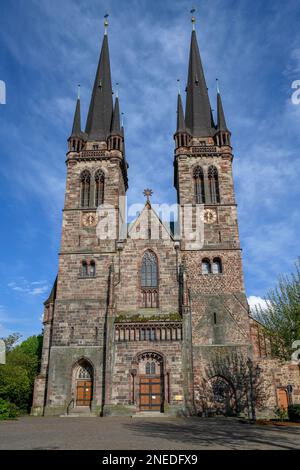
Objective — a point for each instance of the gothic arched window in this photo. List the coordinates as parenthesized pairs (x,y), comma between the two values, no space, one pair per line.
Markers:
(84,269)
(150,368)
(213,181)
(92,269)
(217,266)
(149,271)
(84,373)
(206,266)
(199,185)
(85,180)
(99,187)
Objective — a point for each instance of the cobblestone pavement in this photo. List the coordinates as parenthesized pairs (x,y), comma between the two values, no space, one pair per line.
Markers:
(143,433)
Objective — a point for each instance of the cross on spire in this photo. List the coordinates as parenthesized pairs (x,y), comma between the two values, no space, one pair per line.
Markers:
(193,19)
(106,23)
(148,193)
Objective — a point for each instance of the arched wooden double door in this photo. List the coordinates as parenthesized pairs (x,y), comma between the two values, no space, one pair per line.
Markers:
(151,384)
(84,384)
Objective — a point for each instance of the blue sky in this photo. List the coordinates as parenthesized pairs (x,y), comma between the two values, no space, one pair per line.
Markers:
(48,47)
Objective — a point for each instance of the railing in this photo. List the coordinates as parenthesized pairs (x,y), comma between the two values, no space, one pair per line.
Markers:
(148,331)
(93,153)
(204,149)
(69,405)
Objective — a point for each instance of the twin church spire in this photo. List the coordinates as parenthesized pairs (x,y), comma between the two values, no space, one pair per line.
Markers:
(100,115)
(103,118)
(198,116)
(198,121)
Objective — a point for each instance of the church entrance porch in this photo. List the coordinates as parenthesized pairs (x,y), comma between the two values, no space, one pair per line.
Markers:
(151,382)
(83,383)
(151,393)
(84,393)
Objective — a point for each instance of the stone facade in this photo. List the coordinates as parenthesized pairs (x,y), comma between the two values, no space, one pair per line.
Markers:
(134,319)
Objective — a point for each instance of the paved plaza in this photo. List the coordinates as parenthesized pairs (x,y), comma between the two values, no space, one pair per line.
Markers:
(144,433)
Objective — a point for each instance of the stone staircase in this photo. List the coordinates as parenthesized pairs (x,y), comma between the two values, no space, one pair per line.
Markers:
(79,412)
(149,414)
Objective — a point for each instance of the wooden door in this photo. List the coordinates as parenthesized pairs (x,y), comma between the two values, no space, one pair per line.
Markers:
(151,393)
(84,393)
(282,398)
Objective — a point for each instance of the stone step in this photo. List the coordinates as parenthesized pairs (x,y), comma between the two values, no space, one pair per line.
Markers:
(149,414)
(78,415)
(79,411)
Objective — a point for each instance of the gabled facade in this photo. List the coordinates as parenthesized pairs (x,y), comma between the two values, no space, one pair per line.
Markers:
(133,320)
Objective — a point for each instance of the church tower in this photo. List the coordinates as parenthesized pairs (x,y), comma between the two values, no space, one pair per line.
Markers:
(203,176)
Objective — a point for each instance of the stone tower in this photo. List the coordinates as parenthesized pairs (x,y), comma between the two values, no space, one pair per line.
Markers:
(134,318)
(203,175)
(76,311)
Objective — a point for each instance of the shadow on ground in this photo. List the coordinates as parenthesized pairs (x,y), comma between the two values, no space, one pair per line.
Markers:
(221,432)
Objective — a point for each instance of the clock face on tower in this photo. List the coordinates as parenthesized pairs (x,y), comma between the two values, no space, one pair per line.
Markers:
(209,216)
(89,219)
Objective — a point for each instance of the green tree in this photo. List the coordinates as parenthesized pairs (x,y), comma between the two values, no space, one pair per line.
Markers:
(15,386)
(28,356)
(11,341)
(281,316)
(18,374)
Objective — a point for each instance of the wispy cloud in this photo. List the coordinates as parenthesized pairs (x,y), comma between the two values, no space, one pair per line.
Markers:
(30,288)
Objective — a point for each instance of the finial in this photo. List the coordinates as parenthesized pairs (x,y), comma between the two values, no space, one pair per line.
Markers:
(218,88)
(122,119)
(105,23)
(78,92)
(193,19)
(148,193)
(117,89)
(178,84)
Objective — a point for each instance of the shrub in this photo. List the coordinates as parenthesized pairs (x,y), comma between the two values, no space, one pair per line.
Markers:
(15,385)
(294,412)
(18,374)
(281,413)
(7,410)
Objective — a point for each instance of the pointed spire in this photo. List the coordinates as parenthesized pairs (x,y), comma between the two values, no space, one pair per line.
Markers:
(222,126)
(76,129)
(198,109)
(212,120)
(52,295)
(115,125)
(101,106)
(180,116)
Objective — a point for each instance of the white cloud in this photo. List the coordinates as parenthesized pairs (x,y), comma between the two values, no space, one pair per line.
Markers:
(254,300)
(30,288)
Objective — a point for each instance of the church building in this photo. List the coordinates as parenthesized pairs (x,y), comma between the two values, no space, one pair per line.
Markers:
(134,320)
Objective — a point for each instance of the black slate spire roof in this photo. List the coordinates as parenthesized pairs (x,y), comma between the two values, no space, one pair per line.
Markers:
(52,295)
(116,126)
(222,126)
(76,129)
(180,116)
(101,107)
(198,109)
